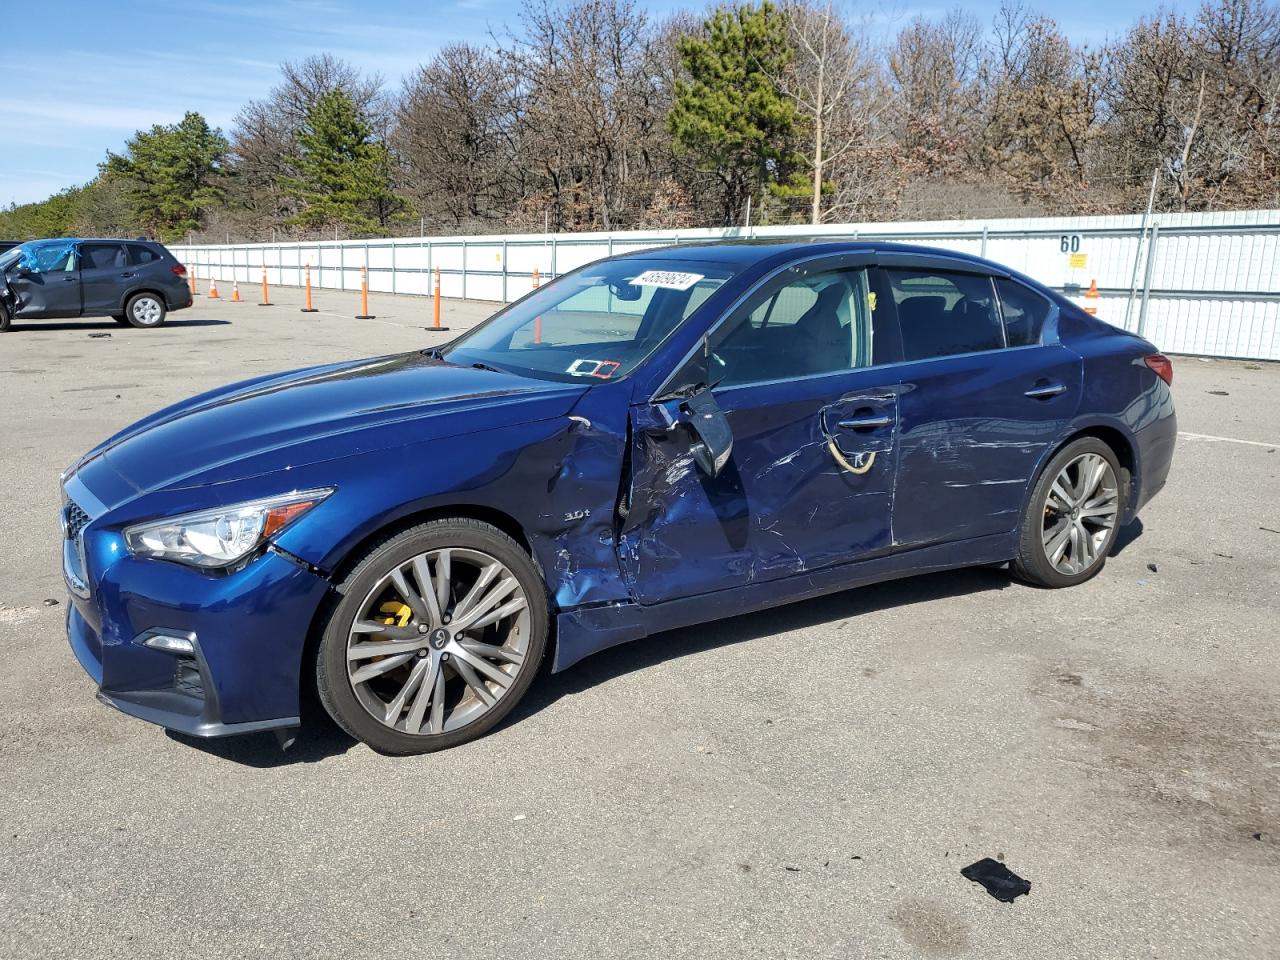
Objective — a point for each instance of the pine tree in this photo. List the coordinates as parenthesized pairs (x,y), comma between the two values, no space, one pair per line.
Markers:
(343,173)
(729,117)
(172,174)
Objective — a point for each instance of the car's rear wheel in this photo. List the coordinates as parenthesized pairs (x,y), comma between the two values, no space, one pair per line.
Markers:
(438,634)
(1072,516)
(144,310)
(4,318)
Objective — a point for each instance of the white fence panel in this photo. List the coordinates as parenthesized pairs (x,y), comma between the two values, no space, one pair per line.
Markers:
(1214,285)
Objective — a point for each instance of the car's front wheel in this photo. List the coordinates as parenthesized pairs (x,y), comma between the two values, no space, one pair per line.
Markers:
(1072,516)
(438,634)
(144,310)
(4,318)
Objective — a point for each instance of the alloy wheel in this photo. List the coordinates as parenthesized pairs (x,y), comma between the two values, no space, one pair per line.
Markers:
(438,641)
(146,311)
(1080,513)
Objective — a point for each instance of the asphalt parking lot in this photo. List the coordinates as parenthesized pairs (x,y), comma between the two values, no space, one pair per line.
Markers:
(806,782)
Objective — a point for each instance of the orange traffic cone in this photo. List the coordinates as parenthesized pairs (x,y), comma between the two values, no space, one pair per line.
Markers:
(213,289)
(1091,294)
(235,291)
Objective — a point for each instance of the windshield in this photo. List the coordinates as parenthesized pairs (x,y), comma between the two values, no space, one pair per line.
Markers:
(9,257)
(46,256)
(599,322)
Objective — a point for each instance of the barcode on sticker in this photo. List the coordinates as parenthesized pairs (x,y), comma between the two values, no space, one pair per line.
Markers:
(668,279)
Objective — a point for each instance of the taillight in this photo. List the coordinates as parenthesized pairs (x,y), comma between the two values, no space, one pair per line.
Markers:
(179,269)
(1162,366)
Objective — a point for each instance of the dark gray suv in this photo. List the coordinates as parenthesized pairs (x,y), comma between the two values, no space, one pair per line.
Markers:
(135,282)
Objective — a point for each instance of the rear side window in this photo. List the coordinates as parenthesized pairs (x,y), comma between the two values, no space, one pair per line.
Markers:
(102,256)
(141,255)
(1024,312)
(942,313)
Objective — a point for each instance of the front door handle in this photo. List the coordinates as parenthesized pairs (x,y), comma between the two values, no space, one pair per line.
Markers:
(70,279)
(869,422)
(1045,391)
(126,275)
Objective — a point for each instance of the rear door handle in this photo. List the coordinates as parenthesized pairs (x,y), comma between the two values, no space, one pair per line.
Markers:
(869,422)
(126,275)
(1045,391)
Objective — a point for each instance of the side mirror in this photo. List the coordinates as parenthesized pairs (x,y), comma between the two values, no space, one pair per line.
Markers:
(714,441)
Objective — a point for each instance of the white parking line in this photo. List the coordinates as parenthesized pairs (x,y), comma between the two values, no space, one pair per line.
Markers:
(1209,436)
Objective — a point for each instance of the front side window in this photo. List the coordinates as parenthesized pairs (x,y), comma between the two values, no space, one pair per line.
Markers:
(942,313)
(56,256)
(596,323)
(1025,312)
(804,325)
(801,324)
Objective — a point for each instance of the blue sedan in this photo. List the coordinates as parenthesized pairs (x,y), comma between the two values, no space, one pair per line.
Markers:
(651,441)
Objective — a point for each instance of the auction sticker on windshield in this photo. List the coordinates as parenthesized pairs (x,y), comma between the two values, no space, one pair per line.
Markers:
(667,279)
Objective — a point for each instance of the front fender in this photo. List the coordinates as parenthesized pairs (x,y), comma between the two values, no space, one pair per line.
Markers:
(557,479)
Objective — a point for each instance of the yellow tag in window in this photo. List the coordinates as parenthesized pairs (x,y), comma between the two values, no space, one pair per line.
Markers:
(871,300)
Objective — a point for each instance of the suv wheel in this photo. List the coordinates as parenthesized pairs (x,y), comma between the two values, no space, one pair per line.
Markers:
(144,310)
(438,634)
(4,318)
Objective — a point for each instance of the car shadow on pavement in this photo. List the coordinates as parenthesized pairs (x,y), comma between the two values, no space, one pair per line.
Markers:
(97,326)
(833,608)
(318,739)
(1127,535)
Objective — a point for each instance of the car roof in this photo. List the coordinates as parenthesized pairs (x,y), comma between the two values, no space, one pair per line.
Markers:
(741,254)
(91,240)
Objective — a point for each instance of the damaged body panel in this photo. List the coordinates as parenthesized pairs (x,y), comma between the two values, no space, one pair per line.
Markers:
(669,436)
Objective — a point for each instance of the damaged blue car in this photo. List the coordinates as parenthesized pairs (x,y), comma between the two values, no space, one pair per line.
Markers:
(651,441)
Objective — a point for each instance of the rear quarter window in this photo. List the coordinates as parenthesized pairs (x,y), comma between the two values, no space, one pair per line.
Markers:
(141,255)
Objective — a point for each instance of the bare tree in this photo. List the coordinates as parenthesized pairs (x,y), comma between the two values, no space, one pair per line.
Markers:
(455,138)
(830,79)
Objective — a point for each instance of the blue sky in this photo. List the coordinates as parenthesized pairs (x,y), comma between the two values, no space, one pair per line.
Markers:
(81,75)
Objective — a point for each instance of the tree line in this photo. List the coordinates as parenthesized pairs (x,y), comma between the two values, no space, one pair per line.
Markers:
(592,115)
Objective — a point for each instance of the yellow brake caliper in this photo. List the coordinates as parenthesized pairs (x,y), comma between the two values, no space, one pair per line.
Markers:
(397,615)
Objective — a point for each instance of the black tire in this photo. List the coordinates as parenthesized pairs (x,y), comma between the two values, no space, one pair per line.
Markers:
(121,319)
(333,684)
(4,318)
(1032,563)
(145,311)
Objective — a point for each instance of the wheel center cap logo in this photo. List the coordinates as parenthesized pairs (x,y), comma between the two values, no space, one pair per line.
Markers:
(438,638)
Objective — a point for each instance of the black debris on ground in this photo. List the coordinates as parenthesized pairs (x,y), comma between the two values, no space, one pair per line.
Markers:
(997,879)
(1153,568)
(98,336)
(1219,393)
(50,602)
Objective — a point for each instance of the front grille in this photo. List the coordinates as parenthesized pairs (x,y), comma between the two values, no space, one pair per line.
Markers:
(76,519)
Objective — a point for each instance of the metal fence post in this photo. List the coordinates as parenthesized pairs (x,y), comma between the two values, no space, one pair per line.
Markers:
(984,240)
(1146,282)
(393,267)
(342,265)
(504,269)
(464,268)
(553,259)
(430,258)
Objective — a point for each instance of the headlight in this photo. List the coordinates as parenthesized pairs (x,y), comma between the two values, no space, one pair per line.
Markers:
(218,538)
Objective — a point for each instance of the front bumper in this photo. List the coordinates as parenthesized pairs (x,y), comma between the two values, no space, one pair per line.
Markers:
(247,632)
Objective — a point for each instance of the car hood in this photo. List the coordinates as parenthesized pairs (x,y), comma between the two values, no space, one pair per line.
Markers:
(320,413)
